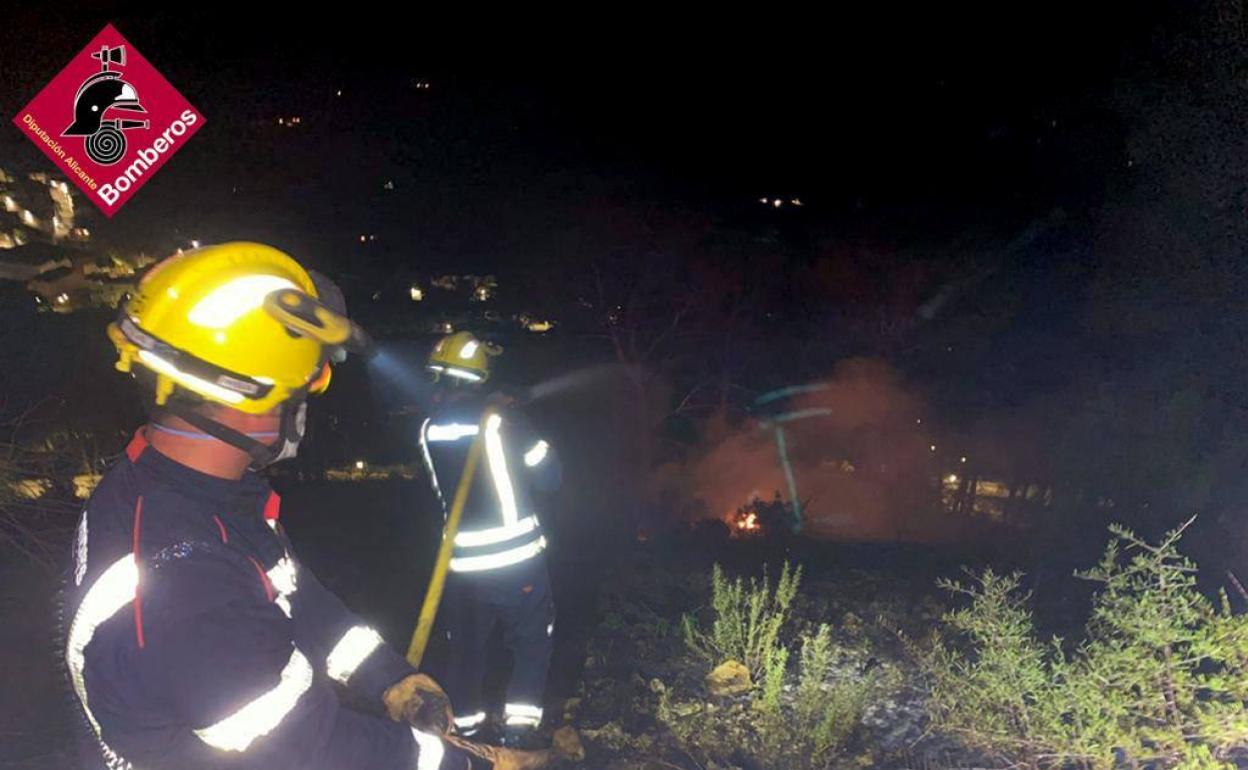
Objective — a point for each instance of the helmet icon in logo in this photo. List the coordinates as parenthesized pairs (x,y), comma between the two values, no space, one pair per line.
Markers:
(100,94)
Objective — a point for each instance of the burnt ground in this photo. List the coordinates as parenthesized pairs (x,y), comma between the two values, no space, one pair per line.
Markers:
(618,641)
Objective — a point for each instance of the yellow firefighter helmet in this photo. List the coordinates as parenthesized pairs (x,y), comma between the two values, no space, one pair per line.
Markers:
(462,356)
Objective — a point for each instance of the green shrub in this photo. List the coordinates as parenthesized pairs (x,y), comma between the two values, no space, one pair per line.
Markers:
(1161,677)
(799,726)
(828,713)
(747,620)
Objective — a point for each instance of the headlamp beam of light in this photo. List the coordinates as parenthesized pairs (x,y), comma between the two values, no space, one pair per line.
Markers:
(201,386)
(536,454)
(231,300)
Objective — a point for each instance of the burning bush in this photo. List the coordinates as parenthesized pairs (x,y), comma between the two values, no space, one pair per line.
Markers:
(759,518)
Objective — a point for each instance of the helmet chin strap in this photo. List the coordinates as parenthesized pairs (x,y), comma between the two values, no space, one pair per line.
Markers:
(262,455)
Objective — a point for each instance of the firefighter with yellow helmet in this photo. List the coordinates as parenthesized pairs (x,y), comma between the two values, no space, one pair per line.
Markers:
(194,637)
(498,574)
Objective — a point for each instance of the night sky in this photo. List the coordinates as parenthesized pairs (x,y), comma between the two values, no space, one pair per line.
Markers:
(898,119)
(1034,212)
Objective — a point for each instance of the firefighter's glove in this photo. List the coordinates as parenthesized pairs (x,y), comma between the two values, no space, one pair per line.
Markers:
(485,757)
(419,701)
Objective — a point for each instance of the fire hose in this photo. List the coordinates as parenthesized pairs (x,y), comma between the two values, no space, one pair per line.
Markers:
(437,581)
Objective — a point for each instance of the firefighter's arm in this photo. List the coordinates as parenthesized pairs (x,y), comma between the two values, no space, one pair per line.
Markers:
(539,458)
(349,650)
(223,658)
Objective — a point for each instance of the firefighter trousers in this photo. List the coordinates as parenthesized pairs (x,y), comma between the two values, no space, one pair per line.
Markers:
(517,599)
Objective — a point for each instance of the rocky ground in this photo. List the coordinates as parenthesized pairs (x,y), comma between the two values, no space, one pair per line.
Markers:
(643,702)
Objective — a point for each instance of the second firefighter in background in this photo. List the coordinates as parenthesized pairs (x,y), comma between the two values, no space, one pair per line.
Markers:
(498,576)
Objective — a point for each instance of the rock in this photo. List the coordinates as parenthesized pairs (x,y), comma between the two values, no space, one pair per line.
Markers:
(729,678)
(567,744)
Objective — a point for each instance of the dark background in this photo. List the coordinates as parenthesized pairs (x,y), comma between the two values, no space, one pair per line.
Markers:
(1032,214)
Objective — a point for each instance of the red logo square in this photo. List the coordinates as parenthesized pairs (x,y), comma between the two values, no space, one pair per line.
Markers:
(109,120)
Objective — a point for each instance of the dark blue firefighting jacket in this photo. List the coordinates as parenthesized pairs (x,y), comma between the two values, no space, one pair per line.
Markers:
(195,639)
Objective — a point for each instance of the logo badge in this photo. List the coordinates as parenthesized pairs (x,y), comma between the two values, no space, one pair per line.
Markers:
(109,120)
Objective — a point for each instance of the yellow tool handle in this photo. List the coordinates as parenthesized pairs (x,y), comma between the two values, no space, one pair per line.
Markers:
(433,596)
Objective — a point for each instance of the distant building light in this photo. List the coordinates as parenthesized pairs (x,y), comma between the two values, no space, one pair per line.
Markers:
(338,92)
(963,458)
(359,465)
(796,201)
(764,201)
(777,203)
(932,447)
(62,298)
(953,478)
(417,294)
(389,185)
(540,326)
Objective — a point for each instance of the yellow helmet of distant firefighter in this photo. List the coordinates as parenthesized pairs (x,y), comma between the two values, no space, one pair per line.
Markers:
(239,324)
(462,356)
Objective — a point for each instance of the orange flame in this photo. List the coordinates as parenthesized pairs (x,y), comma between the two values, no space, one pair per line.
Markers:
(748,522)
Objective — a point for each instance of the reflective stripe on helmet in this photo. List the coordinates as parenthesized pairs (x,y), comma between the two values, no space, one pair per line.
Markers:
(197,384)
